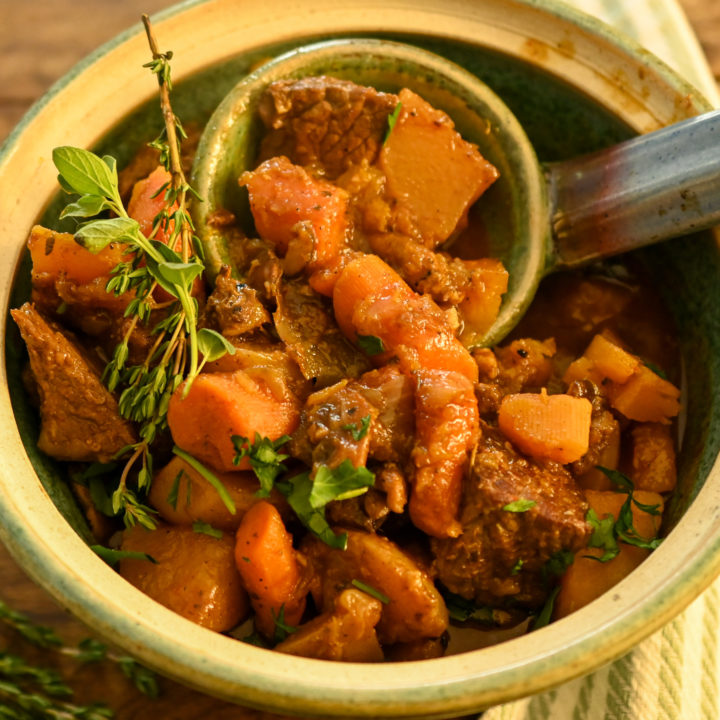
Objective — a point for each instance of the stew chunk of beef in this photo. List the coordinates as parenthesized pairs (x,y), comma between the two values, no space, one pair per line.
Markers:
(504,547)
(79,417)
(326,122)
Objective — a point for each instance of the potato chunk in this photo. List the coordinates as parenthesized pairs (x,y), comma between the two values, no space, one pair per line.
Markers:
(345,633)
(193,574)
(432,173)
(415,608)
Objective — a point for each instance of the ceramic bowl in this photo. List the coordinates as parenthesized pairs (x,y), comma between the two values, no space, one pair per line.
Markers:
(575,86)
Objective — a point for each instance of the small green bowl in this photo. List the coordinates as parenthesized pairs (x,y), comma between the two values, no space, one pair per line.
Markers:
(575,86)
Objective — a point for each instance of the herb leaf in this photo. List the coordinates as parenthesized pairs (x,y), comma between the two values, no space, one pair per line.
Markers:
(370,590)
(545,615)
(340,483)
(297,490)
(98,234)
(358,433)
(209,476)
(370,344)
(212,345)
(85,172)
(264,458)
(207,529)
(392,120)
(85,206)
(112,557)
(519,506)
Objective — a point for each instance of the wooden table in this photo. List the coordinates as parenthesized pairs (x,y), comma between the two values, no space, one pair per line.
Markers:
(39,41)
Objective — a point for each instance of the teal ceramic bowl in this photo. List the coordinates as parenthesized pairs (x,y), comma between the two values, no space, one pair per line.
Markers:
(575,86)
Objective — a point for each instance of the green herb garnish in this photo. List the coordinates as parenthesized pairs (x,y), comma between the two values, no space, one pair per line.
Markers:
(113,557)
(519,506)
(370,590)
(264,458)
(607,531)
(370,344)
(209,476)
(392,120)
(545,615)
(29,692)
(358,433)
(204,528)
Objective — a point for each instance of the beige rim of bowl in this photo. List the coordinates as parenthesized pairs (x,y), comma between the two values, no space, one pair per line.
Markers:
(80,110)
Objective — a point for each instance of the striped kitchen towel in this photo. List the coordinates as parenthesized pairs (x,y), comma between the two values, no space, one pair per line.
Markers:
(673,675)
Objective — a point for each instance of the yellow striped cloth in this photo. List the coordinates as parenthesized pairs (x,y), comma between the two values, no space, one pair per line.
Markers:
(675,673)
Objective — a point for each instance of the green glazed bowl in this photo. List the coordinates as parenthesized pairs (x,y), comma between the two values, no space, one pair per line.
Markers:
(575,86)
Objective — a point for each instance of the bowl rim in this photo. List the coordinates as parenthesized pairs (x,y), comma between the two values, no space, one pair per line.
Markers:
(437,688)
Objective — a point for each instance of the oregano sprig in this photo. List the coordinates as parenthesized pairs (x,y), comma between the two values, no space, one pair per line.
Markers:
(174,358)
(31,692)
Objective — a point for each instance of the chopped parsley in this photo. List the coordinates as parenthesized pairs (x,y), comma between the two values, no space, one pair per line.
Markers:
(265,460)
(370,344)
(370,590)
(608,532)
(358,433)
(308,496)
(520,506)
(282,629)
(112,557)
(207,529)
(392,120)
(545,615)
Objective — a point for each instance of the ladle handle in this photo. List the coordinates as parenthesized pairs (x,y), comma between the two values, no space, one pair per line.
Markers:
(651,188)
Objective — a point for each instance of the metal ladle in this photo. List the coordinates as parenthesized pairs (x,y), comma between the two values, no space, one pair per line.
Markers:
(538,218)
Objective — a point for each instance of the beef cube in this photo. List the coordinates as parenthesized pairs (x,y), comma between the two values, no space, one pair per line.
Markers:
(326,122)
(503,548)
(79,417)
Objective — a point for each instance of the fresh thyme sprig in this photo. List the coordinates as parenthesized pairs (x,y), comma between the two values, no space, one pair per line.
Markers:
(28,692)
(173,265)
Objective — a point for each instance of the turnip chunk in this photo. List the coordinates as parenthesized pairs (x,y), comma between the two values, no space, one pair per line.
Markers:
(432,173)
(547,427)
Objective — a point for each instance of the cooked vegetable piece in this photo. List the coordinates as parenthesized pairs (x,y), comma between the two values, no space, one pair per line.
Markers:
(371,300)
(220,405)
(312,337)
(182,496)
(415,608)
(148,200)
(56,255)
(79,418)
(587,578)
(547,427)
(194,574)
(652,451)
(501,554)
(646,397)
(283,198)
(631,386)
(480,305)
(446,430)
(269,568)
(432,173)
(347,632)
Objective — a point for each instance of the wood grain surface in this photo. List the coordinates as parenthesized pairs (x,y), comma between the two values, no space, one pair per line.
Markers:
(39,41)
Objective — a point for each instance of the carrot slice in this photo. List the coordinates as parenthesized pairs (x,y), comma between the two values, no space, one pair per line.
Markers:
(372,301)
(220,405)
(269,568)
(447,427)
(283,195)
